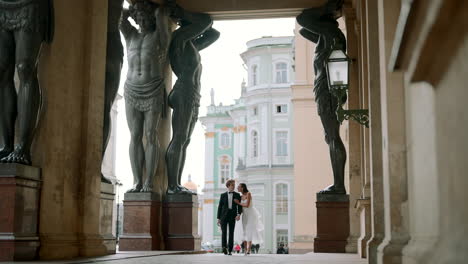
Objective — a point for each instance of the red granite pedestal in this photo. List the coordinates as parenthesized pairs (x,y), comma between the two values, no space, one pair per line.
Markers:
(141,223)
(332,223)
(181,222)
(19,208)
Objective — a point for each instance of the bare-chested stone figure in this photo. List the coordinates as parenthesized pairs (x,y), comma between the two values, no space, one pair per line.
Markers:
(194,34)
(144,91)
(24,26)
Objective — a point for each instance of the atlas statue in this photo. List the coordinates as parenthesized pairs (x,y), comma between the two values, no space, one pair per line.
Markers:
(319,25)
(144,89)
(24,26)
(195,33)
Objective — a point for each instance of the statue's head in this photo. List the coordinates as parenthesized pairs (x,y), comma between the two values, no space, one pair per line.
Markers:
(143,12)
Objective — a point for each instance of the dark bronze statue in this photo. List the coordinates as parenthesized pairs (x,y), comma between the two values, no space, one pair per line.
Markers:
(24,26)
(114,61)
(195,33)
(144,91)
(320,26)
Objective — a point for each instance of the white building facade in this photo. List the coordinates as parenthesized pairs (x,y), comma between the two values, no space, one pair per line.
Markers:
(251,141)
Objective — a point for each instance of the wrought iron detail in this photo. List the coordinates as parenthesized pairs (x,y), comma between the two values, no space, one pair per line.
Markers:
(359,115)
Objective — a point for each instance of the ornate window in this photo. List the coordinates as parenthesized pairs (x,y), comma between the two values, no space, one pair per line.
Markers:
(254,75)
(225,140)
(254,144)
(281,71)
(281,199)
(224,169)
(281,143)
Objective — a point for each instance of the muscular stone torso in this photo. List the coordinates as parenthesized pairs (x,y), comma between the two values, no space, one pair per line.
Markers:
(185,62)
(145,59)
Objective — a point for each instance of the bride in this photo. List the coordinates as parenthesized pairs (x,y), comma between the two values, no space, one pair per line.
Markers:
(251,222)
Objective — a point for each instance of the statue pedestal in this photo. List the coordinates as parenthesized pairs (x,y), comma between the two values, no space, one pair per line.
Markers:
(141,222)
(332,223)
(106,215)
(181,222)
(19,211)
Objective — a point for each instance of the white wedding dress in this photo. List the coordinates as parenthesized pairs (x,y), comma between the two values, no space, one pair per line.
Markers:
(251,224)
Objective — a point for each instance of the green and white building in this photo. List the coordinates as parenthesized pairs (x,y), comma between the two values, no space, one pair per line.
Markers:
(251,141)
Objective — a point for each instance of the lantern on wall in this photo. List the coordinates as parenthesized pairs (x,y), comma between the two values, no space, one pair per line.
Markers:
(337,65)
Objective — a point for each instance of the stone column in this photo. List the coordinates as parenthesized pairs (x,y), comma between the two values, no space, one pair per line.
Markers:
(393,141)
(375,132)
(451,123)
(354,148)
(68,143)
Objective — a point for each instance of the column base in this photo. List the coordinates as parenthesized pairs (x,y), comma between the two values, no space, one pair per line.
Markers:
(332,223)
(106,215)
(364,211)
(141,223)
(19,206)
(181,222)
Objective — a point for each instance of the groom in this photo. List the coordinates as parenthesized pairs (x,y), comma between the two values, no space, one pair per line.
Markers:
(228,213)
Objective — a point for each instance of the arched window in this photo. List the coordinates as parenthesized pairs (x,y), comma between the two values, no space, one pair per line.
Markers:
(254,75)
(224,169)
(281,69)
(225,140)
(254,144)
(281,198)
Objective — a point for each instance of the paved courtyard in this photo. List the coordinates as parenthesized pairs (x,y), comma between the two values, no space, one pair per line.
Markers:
(311,258)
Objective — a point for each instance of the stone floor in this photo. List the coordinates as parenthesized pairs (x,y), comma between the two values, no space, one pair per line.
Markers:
(181,258)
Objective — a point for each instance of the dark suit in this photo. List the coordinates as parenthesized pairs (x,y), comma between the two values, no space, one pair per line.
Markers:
(228,217)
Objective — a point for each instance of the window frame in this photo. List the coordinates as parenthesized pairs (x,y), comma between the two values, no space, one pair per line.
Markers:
(222,138)
(284,73)
(285,146)
(226,161)
(254,73)
(281,199)
(281,107)
(255,144)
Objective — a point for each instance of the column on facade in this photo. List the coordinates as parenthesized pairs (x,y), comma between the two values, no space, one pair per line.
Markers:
(354,134)
(376,216)
(394,141)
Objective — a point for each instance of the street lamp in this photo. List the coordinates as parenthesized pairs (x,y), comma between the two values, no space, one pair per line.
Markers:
(337,65)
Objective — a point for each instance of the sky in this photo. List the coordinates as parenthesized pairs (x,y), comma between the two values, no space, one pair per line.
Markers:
(223,70)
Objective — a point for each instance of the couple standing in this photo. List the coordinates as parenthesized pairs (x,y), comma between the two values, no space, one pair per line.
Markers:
(231,206)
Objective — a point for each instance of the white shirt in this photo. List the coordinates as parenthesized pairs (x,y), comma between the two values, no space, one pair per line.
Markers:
(230,195)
